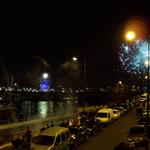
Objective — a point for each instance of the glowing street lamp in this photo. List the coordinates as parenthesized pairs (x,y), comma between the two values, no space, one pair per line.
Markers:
(130,35)
(74,58)
(45,75)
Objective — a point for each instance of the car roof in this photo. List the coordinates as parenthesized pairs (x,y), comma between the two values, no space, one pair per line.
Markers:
(138,125)
(53,131)
(115,109)
(104,110)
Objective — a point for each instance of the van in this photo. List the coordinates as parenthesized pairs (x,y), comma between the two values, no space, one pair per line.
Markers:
(53,138)
(105,115)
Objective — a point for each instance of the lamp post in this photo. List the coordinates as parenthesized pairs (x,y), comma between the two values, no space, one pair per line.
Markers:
(84,81)
(75,59)
(130,36)
(148,86)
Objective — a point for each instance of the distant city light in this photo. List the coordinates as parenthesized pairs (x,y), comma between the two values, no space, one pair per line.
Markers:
(15,84)
(74,58)
(52,90)
(120,82)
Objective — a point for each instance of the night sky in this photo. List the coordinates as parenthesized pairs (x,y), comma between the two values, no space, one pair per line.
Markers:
(56,33)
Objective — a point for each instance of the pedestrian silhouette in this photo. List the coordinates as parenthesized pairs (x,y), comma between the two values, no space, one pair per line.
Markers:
(26,139)
(28,134)
(16,142)
(52,124)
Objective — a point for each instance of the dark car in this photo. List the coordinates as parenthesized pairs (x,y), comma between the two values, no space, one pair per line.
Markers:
(143,120)
(93,125)
(125,146)
(79,134)
(125,107)
(139,111)
(131,144)
(136,130)
(137,133)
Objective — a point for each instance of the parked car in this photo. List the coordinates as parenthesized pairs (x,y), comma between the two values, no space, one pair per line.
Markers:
(144,113)
(125,146)
(121,109)
(139,111)
(79,134)
(131,144)
(125,107)
(105,115)
(93,125)
(136,132)
(116,113)
(143,120)
(51,138)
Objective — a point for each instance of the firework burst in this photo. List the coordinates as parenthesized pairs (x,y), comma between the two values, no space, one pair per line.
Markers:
(134,56)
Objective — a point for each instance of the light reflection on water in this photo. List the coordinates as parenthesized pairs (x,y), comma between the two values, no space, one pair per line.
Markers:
(43,109)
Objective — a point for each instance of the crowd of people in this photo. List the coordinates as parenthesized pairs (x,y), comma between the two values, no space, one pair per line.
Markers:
(22,142)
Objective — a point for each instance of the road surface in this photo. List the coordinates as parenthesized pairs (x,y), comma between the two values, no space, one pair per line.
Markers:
(111,135)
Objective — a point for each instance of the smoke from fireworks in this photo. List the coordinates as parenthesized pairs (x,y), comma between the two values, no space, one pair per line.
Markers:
(134,57)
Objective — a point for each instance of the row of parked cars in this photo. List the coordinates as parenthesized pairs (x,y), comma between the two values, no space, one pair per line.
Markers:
(137,138)
(73,132)
(65,136)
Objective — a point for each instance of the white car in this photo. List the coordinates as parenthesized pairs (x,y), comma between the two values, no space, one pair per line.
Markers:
(116,113)
(57,138)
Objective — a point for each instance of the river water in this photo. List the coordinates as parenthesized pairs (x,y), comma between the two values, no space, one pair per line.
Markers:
(28,110)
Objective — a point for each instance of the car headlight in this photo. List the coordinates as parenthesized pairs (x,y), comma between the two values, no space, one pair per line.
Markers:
(90,129)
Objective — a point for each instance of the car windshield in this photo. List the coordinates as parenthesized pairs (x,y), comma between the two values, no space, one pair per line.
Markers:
(73,130)
(102,115)
(43,140)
